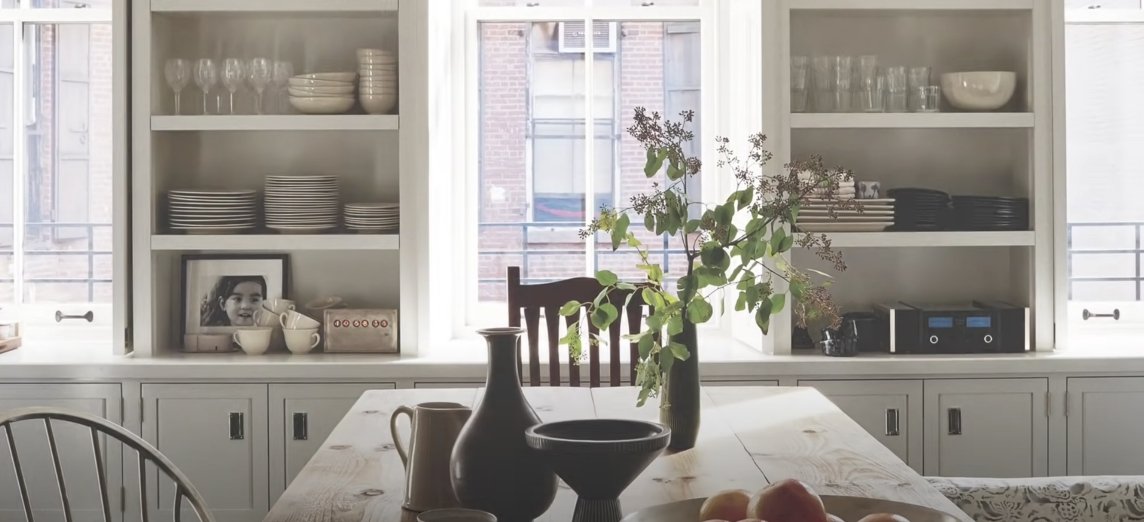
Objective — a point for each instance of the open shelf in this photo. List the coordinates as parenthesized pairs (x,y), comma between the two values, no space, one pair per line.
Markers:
(931,239)
(275,122)
(273,5)
(916,120)
(912,4)
(275,242)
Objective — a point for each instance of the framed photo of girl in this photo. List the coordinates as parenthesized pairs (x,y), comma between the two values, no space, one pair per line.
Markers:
(221,293)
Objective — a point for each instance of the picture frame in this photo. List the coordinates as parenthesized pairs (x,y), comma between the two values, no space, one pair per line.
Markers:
(221,292)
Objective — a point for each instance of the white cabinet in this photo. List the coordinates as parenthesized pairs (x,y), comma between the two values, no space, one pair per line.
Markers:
(301,417)
(216,434)
(1105,424)
(891,411)
(986,428)
(74,445)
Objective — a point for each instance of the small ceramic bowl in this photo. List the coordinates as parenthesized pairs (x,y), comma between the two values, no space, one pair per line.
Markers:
(979,90)
(322,104)
(304,82)
(321,90)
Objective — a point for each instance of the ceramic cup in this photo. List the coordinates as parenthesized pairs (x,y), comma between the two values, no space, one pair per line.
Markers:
(278,305)
(301,341)
(456,515)
(266,318)
(292,320)
(253,341)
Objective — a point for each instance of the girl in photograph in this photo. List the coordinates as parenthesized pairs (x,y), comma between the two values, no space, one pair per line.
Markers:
(233,301)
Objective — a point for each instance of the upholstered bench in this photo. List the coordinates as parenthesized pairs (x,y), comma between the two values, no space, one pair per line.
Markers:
(1048,499)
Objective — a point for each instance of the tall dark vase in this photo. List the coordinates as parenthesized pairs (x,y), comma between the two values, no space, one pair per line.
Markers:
(679,409)
(492,467)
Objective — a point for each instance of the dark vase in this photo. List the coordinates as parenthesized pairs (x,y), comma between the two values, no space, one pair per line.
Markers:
(679,408)
(492,467)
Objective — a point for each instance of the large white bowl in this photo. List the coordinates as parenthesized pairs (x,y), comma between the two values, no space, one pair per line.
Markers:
(322,104)
(979,90)
(378,103)
(305,82)
(305,93)
(321,90)
(329,76)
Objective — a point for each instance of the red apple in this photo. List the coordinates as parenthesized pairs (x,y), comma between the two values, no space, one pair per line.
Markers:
(787,501)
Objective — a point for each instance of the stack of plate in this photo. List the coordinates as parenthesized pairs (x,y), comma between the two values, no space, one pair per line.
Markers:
(921,209)
(377,88)
(990,213)
(213,211)
(864,215)
(323,93)
(302,204)
(372,218)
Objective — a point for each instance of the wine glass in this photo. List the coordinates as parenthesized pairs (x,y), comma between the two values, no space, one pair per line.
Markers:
(281,77)
(206,76)
(233,72)
(178,73)
(260,71)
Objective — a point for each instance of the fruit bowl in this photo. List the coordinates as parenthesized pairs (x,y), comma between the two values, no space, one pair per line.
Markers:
(849,509)
(598,459)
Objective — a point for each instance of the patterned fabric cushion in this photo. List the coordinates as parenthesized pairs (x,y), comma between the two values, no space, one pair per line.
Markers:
(1051,499)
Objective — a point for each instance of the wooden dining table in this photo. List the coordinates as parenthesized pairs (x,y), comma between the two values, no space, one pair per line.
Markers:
(749,436)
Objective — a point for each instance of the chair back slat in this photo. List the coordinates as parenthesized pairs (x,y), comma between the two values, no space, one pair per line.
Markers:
(634,311)
(142,461)
(19,473)
(573,366)
(552,326)
(101,475)
(532,324)
(58,470)
(593,355)
(614,353)
(177,512)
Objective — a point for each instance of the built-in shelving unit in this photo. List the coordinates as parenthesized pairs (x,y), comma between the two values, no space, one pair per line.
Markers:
(284,122)
(275,242)
(909,120)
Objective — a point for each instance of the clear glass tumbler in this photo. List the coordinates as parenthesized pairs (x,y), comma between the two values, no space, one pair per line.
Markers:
(896,89)
(929,98)
(822,76)
(868,93)
(799,76)
(919,77)
(842,67)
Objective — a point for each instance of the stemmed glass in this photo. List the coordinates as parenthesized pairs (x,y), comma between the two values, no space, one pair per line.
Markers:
(232,75)
(178,73)
(260,70)
(281,76)
(206,76)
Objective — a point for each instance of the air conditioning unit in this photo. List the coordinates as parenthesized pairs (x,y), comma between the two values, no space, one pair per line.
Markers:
(571,37)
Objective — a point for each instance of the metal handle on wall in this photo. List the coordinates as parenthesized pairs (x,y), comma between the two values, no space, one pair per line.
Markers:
(89,316)
(1086,315)
(955,421)
(237,426)
(893,426)
(301,426)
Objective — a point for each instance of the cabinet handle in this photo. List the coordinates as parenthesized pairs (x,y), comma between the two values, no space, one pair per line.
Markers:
(893,426)
(1086,315)
(301,426)
(237,426)
(955,421)
(89,316)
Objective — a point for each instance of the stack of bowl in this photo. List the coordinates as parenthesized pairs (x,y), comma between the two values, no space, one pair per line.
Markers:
(377,89)
(322,93)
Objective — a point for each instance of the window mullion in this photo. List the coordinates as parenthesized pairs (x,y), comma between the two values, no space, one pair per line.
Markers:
(19,157)
(589,143)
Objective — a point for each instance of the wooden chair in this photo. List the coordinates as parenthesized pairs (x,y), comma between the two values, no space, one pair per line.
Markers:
(97,426)
(529,300)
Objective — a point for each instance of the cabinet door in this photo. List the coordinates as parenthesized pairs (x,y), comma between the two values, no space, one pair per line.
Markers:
(891,411)
(216,434)
(986,428)
(1105,421)
(301,417)
(73,442)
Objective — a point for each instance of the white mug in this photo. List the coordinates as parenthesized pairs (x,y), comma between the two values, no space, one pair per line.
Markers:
(302,341)
(253,341)
(456,515)
(278,305)
(292,320)
(266,318)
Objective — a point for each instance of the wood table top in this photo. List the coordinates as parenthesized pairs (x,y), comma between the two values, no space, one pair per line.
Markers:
(749,437)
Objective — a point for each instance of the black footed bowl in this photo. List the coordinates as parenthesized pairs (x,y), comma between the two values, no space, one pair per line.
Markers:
(598,459)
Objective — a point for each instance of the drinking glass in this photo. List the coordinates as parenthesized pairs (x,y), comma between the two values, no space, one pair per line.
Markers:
(919,77)
(928,98)
(281,77)
(842,67)
(260,71)
(206,76)
(896,89)
(822,68)
(799,69)
(232,77)
(868,92)
(178,73)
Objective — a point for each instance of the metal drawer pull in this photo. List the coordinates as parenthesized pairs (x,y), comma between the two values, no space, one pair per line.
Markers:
(89,316)
(955,421)
(893,426)
(237,428)
(301,426)
(1115,315)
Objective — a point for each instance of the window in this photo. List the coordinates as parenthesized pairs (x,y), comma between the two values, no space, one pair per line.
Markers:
(1104,54)
(56,167)
(552,144)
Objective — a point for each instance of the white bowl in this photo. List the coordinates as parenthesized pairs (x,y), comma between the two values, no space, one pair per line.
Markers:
(368,91)
(321,90)
(304,82)
(329,76)
(378,83)
(304,93)
(378,103)
(979,90)
(322,104)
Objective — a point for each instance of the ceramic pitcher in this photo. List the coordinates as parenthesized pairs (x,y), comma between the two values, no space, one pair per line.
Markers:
(435,426)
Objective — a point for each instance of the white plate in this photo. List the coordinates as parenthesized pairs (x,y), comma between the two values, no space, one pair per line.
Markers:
(313,105)
(301,227)
(220,201)
(211,227)
(328,76)
(849,508)
(212,208)
(842,227)
(889,220)
(190,192)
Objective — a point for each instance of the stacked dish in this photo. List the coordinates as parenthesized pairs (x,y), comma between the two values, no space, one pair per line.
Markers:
(212,211)
(372,218)
(921,209)
(301,204)
(322,93)
(990,213)
(377,89)
(865,215)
